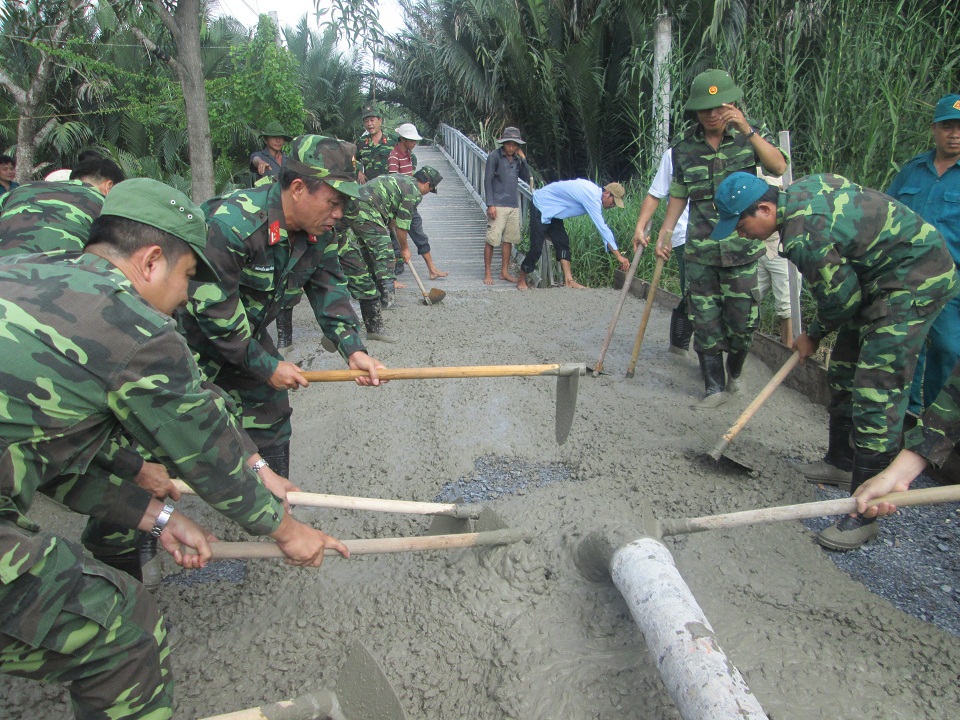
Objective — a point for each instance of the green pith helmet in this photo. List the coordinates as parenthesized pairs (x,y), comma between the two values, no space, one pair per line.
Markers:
(711,89)
(275,129)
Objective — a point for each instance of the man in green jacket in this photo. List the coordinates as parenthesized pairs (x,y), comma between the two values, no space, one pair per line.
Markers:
(89,348)
(270,246)
(880,275)
(721,273)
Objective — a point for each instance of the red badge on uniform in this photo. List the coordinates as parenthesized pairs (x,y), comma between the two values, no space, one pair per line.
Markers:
(274,232)
(311,238)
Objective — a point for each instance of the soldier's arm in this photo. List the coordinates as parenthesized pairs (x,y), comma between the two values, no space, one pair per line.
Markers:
(938,430)
(218,308)
(830,278)
(768,153)
(160,400)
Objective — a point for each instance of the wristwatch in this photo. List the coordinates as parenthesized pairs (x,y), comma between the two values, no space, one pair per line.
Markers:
(753,131)
(162,518)
(259,465)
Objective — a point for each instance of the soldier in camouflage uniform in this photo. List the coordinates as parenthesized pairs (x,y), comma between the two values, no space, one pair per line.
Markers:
(385,203)
(880,275)
(89,347)
(270,246)
(56,216)
(721,274)
(373,154)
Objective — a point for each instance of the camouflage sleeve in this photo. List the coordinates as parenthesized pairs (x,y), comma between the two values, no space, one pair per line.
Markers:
(330,299)
(161,402)
(404,216)
(219,310)
(100,494)
(938,430)
(830,278)
(678,187)
(118,459)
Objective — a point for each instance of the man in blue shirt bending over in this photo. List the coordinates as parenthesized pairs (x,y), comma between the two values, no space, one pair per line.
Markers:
(930,186)
(565,199)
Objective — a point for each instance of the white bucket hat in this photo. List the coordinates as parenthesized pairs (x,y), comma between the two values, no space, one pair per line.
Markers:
(408,131)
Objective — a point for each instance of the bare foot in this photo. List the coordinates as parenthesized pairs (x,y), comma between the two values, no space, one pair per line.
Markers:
(434,274)
(522,285)
(571,283)
(399,285)
(506,276)
(488,280)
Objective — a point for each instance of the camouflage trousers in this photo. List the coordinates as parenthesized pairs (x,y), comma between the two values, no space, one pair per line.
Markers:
(872,365)
(724,304)
(367,260)
(71,619)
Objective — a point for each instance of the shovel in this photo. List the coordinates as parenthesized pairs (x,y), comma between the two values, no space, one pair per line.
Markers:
(597,369)
(429,298)
(752,408)
(568,379)
(362,691)
(651,293)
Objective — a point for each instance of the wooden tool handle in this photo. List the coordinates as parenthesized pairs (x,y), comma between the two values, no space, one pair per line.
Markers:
(349,502)
(627,282)
(423,290)
(752,408)
(654,283)
(464,371)
(258,550)
(927,496)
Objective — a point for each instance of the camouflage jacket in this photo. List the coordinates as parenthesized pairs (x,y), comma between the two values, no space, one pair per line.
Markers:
(261,273)
(855,245)
(372,156)
(386,199)
(84,356)
(697,171)
(47,216)
(938,430)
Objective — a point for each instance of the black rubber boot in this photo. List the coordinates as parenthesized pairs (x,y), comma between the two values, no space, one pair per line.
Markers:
(852,532)
(681,330)
(285,329)
(735,363)
(711,367)
(373,321)
(837,465)
(278,458)
(128,563)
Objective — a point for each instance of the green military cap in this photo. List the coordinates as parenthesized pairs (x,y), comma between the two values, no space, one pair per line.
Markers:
(948,108)
(328,159)
(275,129)
(371,110)
(428,174)
(152,203)
(711,89)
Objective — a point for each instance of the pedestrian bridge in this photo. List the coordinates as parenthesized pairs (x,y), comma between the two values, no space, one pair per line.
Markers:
(455,218)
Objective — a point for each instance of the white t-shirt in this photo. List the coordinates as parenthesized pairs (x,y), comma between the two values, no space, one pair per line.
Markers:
(660,188)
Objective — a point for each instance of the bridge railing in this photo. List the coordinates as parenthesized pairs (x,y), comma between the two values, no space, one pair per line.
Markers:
(470,161)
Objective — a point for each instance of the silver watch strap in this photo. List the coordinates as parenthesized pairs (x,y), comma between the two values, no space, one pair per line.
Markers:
(162,518)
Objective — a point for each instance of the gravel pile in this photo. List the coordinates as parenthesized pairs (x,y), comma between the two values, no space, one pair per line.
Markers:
(496,476)
(915,561)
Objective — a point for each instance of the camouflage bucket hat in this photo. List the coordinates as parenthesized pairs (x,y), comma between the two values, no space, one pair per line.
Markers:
(428,174)
(275,129)
(711,89)
(371,111)
(328,159)
(152,203)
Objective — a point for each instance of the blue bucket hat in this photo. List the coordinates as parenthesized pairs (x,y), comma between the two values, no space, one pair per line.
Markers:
(734,195)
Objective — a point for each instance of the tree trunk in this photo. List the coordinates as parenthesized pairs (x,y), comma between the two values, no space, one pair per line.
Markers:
(190,72)
(26,143)
(661,85)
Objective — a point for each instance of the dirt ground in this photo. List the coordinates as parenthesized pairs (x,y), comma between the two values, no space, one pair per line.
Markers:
(516,632)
